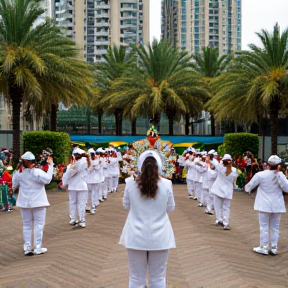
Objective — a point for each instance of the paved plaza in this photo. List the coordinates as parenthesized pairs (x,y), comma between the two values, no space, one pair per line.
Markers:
(206,255)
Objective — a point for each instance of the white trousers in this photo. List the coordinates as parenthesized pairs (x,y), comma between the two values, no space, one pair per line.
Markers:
(222,209)
(105,187)
(155,261)
(77,204)
(93,195)
(28,215)
(190,187)
(210,201)
(269,228)
(198,191)
(114,182)
(205,196)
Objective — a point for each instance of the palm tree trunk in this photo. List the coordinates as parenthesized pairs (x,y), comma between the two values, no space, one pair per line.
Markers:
(274,111)
(53,119)
(187,120)
(133,127)
(100,113)
(171,114)
(118,113)
(16,108)
(212,119)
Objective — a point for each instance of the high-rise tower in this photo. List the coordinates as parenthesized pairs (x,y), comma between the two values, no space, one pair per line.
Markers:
(96,24)
(193,24)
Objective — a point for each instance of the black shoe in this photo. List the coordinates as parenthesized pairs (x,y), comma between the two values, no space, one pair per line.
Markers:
(87,211)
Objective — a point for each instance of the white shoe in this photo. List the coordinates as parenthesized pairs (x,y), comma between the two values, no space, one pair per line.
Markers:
(105,197)
(93,211)
(191,197)
(261,249)
(82,224)
(226,227)
(273,250)
(101,200)
(40,251)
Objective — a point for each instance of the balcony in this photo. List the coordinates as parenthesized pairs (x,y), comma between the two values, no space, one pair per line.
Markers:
(102,42)
(102,24)
(102,33)
(102,6)
(100,52)
(102,15)
(128,9)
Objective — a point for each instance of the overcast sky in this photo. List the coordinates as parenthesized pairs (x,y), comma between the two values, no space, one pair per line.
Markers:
(256,15)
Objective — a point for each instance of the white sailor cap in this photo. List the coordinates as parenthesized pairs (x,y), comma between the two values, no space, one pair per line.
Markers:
(227,157)
(204,153)
(28,156)
(91,150)
(211,152)
(78,151)
(150,153)
(274,160)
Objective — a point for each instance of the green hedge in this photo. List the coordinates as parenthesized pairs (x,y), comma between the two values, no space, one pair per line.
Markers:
(236,144)
(38,141)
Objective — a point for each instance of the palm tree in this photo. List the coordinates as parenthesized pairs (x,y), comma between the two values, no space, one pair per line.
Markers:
(257,83)
(117,60)
(36,62)
(160,81)
(210,65)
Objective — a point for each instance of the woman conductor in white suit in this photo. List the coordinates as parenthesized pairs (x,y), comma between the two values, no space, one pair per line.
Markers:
(148,233)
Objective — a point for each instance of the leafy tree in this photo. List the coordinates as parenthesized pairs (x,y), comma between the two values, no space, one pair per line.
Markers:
(117,60)
(160,81)
(36,62)
(256,85)
(210,65)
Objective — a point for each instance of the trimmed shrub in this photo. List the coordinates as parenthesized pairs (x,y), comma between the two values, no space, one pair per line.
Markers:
(236,144)
(38,141)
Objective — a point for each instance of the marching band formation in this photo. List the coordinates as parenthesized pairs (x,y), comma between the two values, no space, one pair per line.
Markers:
(92,175)
(89,178)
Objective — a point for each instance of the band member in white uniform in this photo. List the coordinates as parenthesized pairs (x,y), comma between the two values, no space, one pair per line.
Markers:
(148,233)
(190,175)
(32,200)
(114,171)
(208,180)
(94,177)
(75,177)
(223,189)
(106,176)
(270,203)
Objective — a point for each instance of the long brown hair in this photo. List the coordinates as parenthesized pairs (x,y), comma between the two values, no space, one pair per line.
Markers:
(148,179)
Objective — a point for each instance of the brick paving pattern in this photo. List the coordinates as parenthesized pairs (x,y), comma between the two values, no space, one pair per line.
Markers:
(206,255)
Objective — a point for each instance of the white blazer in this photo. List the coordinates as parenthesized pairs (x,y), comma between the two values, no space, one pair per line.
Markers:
(223,185)
(94,172)
(113,167)
(76,175)
(148,226)
(269,196)
(31,183)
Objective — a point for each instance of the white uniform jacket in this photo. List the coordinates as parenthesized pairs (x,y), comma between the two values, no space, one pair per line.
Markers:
(148,226)
(201,169)
(76,175)
(31,183)
(105,166)
(269,196)
(191,170)
(223,185)
(113,167)
(209,178)
(94,172)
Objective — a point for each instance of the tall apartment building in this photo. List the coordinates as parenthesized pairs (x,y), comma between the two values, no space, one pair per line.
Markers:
(96,24)
(194,24)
